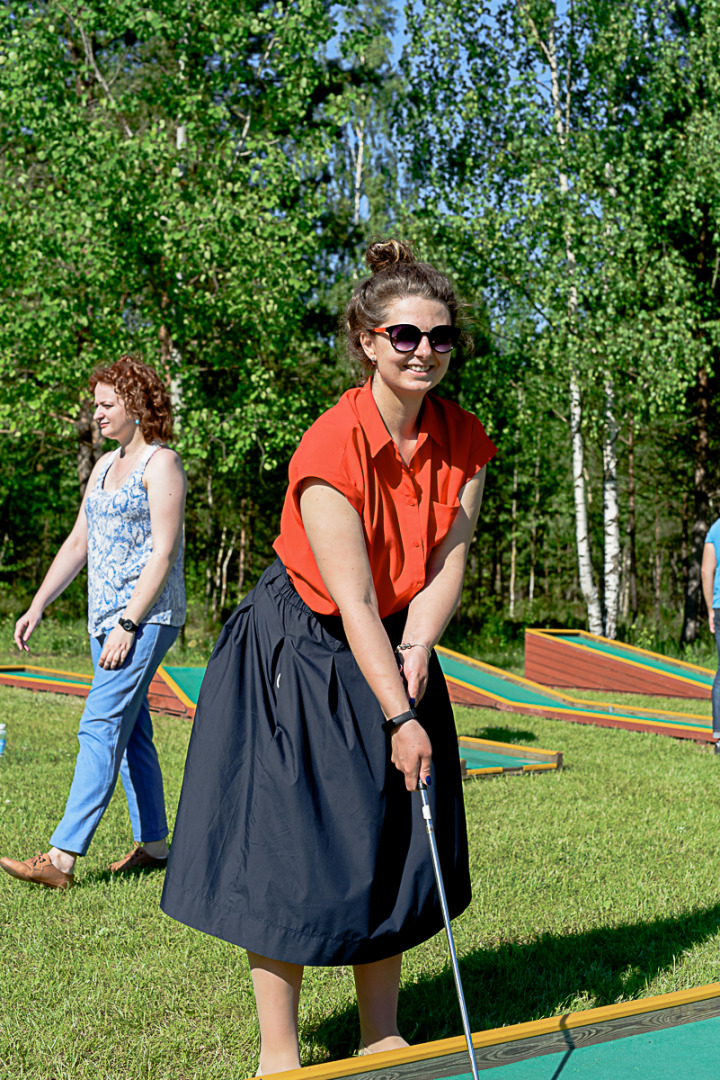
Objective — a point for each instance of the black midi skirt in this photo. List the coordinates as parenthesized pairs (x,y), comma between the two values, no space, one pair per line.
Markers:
(295,836)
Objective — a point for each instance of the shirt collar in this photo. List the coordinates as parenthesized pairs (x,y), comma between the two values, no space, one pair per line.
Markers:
(377,434)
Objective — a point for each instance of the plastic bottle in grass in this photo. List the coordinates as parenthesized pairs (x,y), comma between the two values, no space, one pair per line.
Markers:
(2,739)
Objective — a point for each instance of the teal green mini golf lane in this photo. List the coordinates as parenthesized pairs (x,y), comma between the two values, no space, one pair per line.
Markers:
(685,1052)
(480,759)
(495,683)
(627,652)
(189,679)
(48,676)
(518,691)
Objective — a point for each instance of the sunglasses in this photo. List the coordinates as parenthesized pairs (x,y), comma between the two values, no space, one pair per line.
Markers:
(404,337)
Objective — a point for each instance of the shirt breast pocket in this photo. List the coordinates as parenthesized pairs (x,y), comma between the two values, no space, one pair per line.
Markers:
(443,515)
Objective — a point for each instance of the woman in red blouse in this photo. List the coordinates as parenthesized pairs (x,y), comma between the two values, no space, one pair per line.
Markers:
(323,702)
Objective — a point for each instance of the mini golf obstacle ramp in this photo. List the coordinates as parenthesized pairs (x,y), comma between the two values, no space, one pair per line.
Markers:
(575,658)
(27,677)
(667,1037)
(175,690)
(471,682)
(479,757)
(162,697)
(183,684)
(483,758)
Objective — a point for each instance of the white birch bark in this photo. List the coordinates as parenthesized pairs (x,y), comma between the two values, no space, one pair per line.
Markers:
(561,119)
(359,166)
(611,509)
(582,538)
(611,514)
(534,529)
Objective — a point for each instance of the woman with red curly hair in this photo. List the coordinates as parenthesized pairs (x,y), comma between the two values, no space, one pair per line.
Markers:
(130,532)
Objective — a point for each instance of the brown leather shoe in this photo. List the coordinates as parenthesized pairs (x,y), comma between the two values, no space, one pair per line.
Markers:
(38,870)
(137,859)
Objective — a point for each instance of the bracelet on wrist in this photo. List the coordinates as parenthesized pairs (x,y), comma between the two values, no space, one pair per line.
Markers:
(414,645)
(397,721)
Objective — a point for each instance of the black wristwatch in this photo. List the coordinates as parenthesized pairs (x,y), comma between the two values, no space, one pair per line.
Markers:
(129,625)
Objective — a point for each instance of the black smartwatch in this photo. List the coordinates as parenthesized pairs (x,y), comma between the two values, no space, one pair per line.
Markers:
(129,625)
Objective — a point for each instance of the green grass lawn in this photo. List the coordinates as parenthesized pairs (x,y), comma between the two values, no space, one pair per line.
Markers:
(590,886)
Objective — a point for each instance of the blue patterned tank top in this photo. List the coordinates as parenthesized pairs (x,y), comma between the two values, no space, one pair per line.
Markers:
(119,546)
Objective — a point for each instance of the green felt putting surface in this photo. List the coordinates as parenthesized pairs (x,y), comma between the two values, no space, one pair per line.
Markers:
(689,1051)
(496,684)
(515,691)
(627,652)
(512,690)
(189,679)
(47,677)
(479,759)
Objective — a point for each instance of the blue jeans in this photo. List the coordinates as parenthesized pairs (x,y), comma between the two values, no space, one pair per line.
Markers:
(116,737)
(716,680)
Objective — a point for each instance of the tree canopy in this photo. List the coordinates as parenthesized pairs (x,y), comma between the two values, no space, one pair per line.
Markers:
(197,182)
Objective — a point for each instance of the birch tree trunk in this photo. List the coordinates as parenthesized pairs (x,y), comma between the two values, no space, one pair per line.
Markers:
(632,553)
(582,539)
(359,167)
(700,524)
(561,120)
(611,514)
(534,528)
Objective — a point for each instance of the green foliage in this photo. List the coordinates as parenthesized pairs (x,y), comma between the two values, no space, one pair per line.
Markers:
(564,155)
(167,181)
(198,183)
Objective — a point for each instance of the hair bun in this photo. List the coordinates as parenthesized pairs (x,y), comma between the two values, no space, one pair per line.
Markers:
(386,253)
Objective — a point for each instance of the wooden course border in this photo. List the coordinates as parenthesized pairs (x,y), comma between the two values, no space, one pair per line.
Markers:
(534,760)
(553,660)
(520,1042)
(164,695)
(576,710)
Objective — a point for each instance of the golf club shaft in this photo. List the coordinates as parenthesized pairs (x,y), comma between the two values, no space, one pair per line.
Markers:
(446,919)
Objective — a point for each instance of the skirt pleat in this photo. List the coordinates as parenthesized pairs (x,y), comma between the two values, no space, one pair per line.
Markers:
(295,836)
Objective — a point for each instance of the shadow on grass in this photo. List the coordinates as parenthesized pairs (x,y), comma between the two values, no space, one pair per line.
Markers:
(515,983)
(103,877)
(506,735)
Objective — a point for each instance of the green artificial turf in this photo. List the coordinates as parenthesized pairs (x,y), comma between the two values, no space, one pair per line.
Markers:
(590,886)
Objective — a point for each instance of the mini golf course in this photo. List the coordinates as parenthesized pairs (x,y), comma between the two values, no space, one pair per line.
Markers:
(585,661)
(471,682)
(174,690)
(668,1037)
(162,697)
(655,1038)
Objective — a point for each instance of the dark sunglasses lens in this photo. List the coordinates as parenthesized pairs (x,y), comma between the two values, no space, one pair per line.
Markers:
(405,338)
(443,338)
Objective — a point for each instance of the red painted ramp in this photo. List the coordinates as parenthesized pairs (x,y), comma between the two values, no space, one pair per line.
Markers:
(575,658)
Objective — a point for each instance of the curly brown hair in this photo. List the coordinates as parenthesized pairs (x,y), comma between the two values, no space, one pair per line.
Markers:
(142,390)
(396,273)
